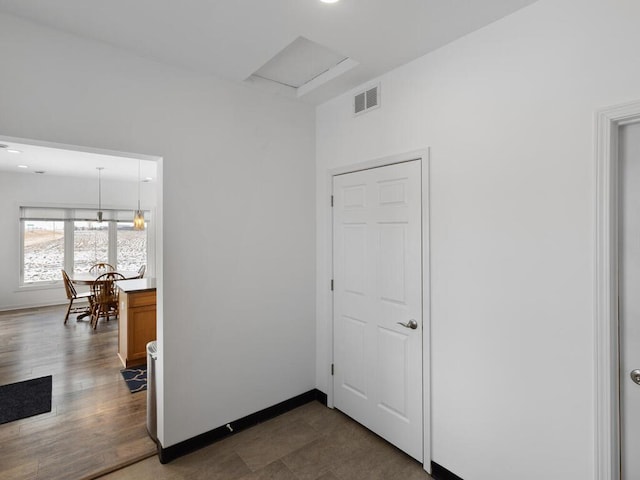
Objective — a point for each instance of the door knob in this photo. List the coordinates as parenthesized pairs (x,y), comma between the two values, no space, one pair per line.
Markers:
(635,376)
(412,324)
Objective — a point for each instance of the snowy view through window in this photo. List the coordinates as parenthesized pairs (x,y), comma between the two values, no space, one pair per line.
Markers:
(43,251)
(44,248)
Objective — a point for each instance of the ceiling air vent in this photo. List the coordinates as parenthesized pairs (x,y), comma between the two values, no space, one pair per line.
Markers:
(366,100)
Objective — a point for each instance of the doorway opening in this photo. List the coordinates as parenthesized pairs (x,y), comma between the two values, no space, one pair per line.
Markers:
(380,298)
(610,123)
(51,193)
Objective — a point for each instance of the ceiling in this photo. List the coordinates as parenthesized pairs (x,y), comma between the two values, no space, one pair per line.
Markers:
(247,40)
(236,38)
(72,163)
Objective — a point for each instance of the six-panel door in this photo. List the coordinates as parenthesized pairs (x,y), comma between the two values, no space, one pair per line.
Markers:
(377,262)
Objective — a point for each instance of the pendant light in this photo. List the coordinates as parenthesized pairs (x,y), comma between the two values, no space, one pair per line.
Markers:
(138,219)
(99,193)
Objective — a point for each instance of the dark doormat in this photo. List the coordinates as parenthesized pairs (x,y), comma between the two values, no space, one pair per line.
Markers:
(136,378)
(25,399)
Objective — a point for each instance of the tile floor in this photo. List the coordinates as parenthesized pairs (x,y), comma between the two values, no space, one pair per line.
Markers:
(311,442)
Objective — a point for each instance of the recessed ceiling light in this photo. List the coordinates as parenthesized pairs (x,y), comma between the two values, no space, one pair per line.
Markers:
(329,1)
(13,150)
(23,166)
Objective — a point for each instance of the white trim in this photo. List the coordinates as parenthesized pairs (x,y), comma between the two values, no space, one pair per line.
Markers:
(341,68)
(423,156)
(426,311)
(607,443)
(16,308)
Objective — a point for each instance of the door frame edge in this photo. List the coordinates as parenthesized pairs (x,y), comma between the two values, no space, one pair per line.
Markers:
(424,156)
(608,122)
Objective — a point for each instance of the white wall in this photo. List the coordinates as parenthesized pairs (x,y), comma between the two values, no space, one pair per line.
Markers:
(17,189)
(237,203)
(508,114)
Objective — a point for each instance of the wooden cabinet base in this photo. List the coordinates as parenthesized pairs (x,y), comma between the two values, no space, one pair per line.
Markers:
(132,363)
(136,326)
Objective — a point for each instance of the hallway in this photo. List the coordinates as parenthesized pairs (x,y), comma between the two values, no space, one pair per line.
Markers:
(311,442)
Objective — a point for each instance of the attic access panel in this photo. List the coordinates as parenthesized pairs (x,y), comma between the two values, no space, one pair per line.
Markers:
(299,63)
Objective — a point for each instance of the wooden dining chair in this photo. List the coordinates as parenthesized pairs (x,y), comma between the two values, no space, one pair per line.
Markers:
(105,297)
(141,271)
(73,295)
(101,267)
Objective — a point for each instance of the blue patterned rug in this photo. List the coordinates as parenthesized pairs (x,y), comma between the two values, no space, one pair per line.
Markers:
(136,378)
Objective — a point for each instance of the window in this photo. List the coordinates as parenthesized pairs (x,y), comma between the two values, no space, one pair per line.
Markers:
(71,239)
(131,247)
(43,250)
(90,244)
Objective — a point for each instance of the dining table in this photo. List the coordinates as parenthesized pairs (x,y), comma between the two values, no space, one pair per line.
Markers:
(86,278)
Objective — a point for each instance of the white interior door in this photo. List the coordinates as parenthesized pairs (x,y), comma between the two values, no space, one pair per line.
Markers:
(377,267)
(629,302)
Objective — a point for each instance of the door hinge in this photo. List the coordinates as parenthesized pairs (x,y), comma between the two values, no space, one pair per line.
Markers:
(332,369)
(332,284)
(332,200)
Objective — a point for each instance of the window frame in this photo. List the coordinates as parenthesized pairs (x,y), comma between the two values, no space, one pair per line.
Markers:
(71,215)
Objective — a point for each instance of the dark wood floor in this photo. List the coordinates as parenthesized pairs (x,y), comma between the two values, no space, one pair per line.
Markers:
(95,424)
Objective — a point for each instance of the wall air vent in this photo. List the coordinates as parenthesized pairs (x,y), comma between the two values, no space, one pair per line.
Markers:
(366,100)
(359,103)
